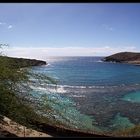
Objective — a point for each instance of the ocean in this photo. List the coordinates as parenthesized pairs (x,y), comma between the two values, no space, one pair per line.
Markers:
(90,95)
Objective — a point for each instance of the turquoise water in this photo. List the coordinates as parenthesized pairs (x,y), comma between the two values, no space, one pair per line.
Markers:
(120,122)
(63,110)
(132,97)
(90,95)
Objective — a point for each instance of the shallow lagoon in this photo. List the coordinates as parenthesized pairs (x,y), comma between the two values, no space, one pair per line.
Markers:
(133,97)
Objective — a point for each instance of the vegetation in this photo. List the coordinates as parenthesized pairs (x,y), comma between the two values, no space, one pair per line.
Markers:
(12,79)
(21,62)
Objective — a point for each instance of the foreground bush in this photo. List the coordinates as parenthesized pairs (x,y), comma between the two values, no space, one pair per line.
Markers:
(12,78)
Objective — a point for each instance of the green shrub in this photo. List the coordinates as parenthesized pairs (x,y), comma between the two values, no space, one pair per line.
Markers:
(11,105)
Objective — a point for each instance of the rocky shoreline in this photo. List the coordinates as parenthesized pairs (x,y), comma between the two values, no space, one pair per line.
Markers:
(124,57)
(9,128)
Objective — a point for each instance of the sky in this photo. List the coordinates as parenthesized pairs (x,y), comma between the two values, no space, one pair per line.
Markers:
(38,30)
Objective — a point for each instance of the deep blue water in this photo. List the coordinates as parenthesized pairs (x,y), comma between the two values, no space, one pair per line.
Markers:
(89,71)
(93,95)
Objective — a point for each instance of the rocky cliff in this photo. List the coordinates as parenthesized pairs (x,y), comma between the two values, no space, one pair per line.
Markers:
(124,57)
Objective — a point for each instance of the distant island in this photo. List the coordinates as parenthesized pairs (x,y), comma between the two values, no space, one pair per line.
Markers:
(124,57)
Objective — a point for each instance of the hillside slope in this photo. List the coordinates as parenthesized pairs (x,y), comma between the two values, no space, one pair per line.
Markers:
(124,57)
(21,62)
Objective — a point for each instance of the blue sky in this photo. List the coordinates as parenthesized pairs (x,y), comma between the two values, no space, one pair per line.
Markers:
(39,30)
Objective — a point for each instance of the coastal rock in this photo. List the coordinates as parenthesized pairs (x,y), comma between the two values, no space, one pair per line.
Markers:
(124,57)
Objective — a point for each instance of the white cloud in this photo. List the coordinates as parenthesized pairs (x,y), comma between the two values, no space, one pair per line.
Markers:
(2,23)
(10,26)
(107,27)
(44,52)
(6,25)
